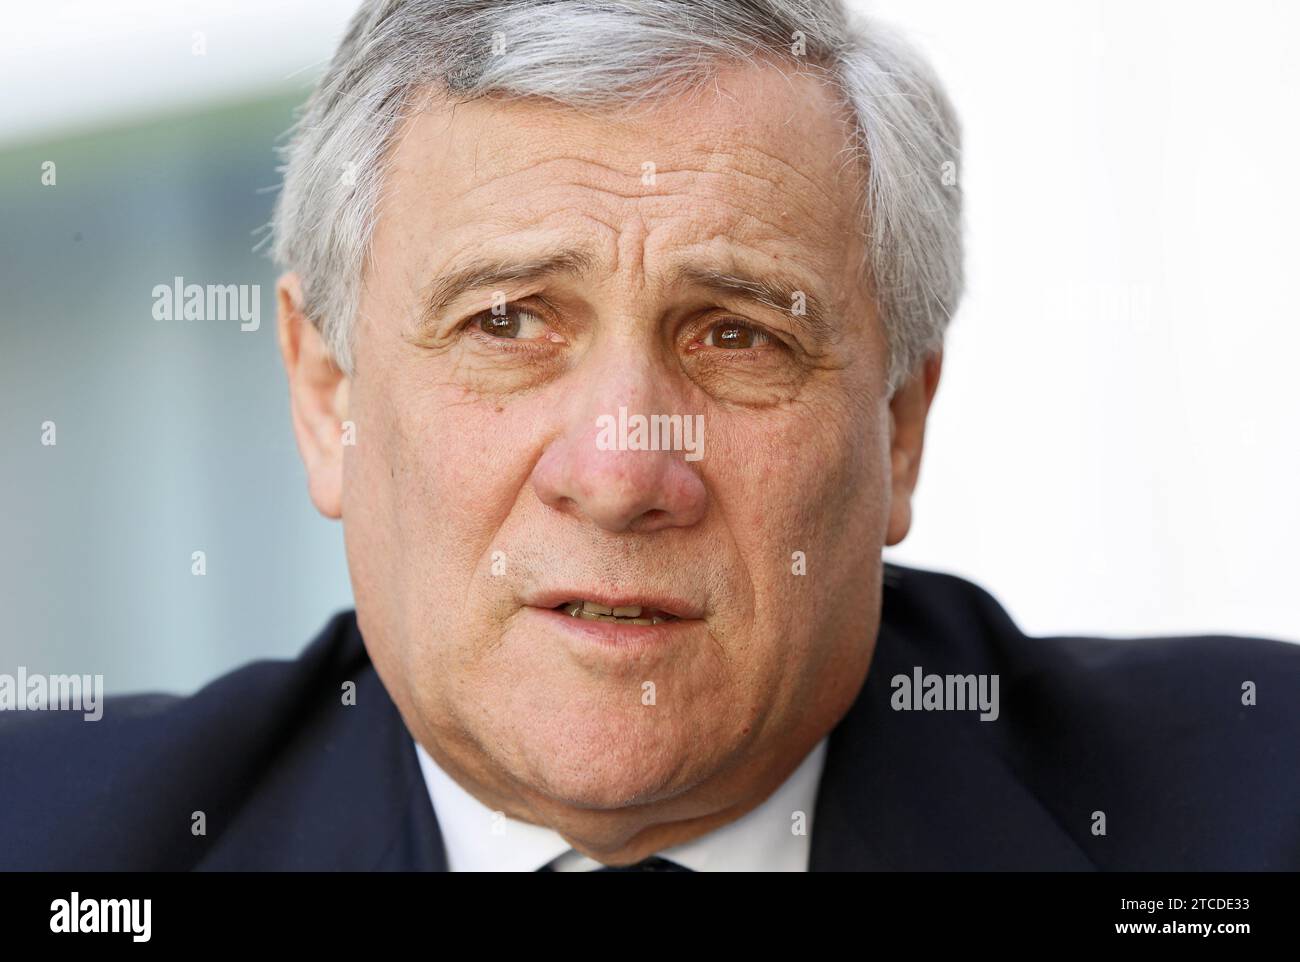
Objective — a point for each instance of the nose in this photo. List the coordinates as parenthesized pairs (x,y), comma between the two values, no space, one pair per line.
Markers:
(625,485)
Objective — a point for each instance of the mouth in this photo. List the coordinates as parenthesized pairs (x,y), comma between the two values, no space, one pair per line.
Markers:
(629,614)
(615,625)
(589,603)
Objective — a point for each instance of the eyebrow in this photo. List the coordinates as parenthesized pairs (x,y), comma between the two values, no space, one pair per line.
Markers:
(774,292)
(447,289)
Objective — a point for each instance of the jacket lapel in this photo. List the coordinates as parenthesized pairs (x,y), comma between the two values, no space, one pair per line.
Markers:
(340,789)
(926,790)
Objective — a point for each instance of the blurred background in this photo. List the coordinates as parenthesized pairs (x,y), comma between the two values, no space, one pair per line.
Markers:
(1113,450)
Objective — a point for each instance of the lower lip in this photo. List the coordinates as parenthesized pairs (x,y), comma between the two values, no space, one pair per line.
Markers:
(623,637)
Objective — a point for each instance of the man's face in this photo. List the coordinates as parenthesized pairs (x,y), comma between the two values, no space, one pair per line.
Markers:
(479,497)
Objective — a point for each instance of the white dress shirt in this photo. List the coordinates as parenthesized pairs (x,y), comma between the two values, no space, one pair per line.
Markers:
(765,839)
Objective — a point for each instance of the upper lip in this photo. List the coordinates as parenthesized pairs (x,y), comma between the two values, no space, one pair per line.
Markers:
(669,604)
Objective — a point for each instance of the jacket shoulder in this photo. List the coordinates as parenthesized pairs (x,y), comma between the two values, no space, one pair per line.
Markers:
(1185,744)
(122,791)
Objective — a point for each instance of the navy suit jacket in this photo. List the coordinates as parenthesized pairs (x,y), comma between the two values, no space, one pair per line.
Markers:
(1152,733)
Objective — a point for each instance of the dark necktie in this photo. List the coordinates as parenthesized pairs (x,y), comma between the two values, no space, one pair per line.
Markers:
(652,864)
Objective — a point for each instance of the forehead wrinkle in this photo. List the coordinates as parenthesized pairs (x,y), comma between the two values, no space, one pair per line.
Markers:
(722,153)
(720,166)
(669,232)
(829,196)
(661,204)
(711,177)
(658,212)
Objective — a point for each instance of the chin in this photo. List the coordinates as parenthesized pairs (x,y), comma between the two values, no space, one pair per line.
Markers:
(604,761)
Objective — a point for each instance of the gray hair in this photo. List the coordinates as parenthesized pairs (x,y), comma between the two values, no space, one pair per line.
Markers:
(608,53)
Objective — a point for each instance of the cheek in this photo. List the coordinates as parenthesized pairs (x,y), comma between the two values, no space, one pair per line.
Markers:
(446,463)
(431,478)
(814,482)
(807,503)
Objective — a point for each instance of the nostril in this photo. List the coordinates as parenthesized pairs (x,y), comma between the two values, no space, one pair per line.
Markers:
(653,518)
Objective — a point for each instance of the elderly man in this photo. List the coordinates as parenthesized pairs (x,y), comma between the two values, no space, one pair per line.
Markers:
(611,331)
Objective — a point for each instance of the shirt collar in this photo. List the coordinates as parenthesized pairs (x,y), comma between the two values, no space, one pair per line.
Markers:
(772,837)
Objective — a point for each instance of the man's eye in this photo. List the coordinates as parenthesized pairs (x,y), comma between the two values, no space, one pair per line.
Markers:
(514,323)
(732,334)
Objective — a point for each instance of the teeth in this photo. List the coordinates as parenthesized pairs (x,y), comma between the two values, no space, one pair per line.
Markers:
(588,616)
(622,615)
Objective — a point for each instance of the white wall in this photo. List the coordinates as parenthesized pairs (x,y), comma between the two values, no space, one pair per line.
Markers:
(1114,447)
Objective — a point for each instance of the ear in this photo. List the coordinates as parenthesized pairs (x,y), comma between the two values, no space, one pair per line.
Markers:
(318,397)
(908,409)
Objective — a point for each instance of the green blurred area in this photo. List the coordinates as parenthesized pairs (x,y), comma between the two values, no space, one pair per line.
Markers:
(172,436)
